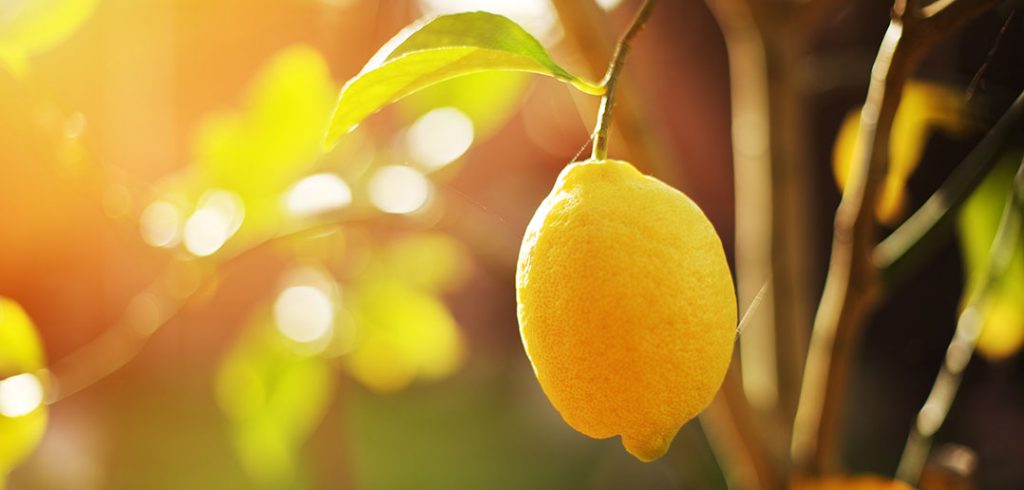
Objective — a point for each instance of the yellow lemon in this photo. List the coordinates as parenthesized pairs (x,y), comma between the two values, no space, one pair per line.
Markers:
(850,483)
(626,305)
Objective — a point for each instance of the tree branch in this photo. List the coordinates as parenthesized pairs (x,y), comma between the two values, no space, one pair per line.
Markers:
(852,283)
(936,407)
(905,250)
(736,440)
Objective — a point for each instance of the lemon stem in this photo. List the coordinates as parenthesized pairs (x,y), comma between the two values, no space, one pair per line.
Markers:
(611,79)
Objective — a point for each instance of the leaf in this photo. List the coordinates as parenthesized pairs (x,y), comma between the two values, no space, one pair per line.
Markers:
(29,27)
(440,49)
(22,413)
(274,397)
(1002,331)
(257,152)
(925,106)
(429,261)
(401,333)
(488,98)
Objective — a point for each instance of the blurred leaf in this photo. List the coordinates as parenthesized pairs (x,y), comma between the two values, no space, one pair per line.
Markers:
(257,152)
(488,98)
(274,397)
(1002,332)
(440,49)
(432,261)
(29,27)
(401,333)
(22,413)
(925,106)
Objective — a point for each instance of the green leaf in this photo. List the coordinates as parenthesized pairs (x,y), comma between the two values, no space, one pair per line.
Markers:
(22,413)
(274,397)
(401,333)
(440,49)
(256,152)
(1002,332)
(489,99)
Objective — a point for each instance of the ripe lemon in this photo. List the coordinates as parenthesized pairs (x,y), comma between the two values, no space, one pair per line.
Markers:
(850,483)
(626,305)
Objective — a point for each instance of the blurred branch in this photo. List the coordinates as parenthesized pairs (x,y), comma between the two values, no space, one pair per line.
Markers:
(735,439)
(852,283)
(611,80)
(767,52)
(748,77)
(915,241)
(143,317)
(936,407)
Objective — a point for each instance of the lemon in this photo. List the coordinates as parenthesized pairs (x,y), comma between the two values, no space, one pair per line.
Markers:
(626,305)
(850,483)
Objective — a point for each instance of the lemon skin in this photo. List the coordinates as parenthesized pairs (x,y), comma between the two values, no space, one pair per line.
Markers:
(626,305)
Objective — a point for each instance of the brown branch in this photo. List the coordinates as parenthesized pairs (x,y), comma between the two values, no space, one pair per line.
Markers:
(735,439)
(852,283)
(905,250)
(751,156)
(961,348)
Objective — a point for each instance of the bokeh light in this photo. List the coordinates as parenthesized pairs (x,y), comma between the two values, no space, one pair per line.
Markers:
(399,189)
(318,193)
(439,137)
(219,215)
(160,224)
(20,395)
(304,314)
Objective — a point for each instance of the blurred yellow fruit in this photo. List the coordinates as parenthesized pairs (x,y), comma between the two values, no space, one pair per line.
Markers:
(22,411)
(924,106)
(626,305)
(850,483)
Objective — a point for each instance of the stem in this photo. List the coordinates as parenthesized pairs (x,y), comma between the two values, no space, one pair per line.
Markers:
(611,80)
(905,250)
(936,407)
(852,284)
(752,181)
(736,441)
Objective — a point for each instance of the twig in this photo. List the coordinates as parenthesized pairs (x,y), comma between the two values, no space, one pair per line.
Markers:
(976,80)
(611,80)
(916,240)
(586,27)
(752,181)
(936,407)
(852,283)
(736,441)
